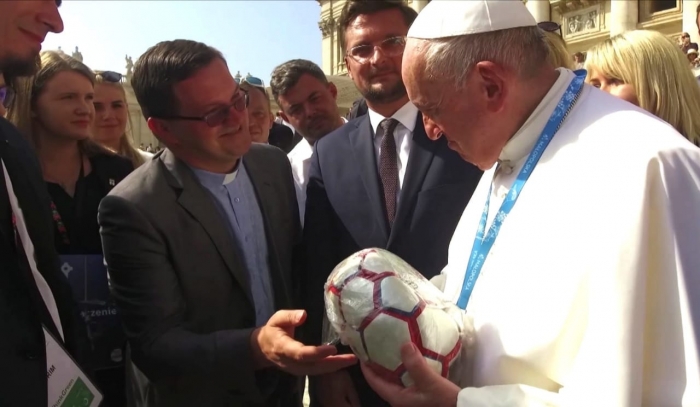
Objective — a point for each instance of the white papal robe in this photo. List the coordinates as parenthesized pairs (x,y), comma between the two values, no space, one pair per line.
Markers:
(590,295)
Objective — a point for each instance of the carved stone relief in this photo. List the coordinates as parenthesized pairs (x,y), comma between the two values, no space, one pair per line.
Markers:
(326,26)
(582,21)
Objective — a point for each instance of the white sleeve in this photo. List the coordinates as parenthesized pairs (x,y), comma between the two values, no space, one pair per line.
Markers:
(649,356)
(507,396)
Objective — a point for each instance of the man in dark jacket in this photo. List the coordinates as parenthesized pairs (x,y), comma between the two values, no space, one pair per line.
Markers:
(36,304)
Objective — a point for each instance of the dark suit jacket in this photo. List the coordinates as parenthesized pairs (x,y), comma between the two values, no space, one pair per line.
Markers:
(22,310)
(345,212)
(182,289)
(281,137)
(359,108)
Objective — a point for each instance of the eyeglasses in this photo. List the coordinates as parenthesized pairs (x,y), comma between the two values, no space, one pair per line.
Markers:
(390,47)
(251,80)
(7,95)
(550,26)
(218,116)
(110,76)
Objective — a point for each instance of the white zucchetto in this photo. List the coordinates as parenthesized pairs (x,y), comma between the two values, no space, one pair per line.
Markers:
(450,18)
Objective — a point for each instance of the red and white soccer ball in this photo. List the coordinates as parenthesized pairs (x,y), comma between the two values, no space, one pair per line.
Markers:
(376,302)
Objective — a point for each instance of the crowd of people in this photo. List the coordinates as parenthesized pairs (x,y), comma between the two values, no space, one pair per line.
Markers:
(554,199)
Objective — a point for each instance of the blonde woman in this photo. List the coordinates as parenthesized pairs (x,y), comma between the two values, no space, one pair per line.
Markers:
(649,70)
(54,110)
(112,118)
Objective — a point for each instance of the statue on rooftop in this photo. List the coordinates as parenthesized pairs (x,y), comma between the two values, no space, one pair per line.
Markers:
(129,66)
(77,55)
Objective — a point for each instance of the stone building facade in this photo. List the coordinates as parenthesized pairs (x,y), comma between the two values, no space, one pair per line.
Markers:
(584,22)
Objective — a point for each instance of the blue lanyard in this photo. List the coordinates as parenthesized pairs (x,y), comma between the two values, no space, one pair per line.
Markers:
(482,244)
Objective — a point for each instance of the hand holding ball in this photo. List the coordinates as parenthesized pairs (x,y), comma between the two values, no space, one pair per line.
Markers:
(376,302)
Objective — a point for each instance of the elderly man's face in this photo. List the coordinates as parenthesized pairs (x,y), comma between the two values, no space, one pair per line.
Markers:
(468,117)
(445,113)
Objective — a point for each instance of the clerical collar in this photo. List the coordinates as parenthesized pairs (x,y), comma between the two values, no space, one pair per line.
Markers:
(214,180)
(524,140)
(406,116)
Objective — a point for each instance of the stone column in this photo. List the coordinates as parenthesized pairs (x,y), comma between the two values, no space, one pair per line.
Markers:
(326,25)
(540,9)
(419,4)
(624,16)
(689,16)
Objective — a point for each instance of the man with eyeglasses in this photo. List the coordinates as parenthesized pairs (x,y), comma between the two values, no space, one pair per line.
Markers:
(199,244)
(378,181)
(39,322)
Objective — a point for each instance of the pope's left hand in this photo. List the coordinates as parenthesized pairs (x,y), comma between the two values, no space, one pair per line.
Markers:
(429,388)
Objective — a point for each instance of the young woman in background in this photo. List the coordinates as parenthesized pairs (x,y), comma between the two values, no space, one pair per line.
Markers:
(648,69)
(112,121)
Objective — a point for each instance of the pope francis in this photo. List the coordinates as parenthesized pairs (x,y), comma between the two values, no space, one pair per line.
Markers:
(578,257)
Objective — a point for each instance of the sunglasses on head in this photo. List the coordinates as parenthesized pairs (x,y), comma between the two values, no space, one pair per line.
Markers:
(111,76)
(550,26)
(7,95)
(252,81)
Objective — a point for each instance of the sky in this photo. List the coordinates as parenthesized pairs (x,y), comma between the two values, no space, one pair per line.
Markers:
(254,36)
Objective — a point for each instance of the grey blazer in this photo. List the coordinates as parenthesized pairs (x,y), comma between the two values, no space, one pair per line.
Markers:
(182,290)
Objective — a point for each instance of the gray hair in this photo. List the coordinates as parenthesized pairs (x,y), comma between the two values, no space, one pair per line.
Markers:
(286,76)
(451,59)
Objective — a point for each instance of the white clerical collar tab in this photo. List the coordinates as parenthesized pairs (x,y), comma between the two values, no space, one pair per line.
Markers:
(230,177)
(451,18)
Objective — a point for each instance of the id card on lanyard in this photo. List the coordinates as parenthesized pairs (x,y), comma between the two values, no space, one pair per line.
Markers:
(486,237)
(68,385)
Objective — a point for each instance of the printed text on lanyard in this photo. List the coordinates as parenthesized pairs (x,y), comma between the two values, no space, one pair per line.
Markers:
(483,243)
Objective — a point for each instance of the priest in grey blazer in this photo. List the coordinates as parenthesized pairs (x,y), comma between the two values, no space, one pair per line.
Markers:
(200,245)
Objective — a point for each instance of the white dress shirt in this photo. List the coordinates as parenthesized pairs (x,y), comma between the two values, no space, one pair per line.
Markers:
(300,160)
(589,294)
(406,116)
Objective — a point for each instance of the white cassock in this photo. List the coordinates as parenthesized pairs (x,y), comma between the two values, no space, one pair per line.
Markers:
(590,295)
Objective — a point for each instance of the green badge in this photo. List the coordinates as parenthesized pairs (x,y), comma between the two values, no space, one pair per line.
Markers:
(78,396)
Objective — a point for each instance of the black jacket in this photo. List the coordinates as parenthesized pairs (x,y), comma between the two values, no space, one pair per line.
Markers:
(22,310)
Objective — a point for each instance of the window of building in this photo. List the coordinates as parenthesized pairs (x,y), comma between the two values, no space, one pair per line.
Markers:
(662,5)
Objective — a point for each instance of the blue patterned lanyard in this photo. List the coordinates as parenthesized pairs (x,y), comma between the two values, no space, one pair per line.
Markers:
(482,244)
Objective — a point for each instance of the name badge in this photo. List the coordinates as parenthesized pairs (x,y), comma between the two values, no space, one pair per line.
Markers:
(87,275)
(68,385)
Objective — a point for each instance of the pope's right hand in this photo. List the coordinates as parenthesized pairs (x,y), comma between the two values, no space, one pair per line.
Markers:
(336,390)
(273,345)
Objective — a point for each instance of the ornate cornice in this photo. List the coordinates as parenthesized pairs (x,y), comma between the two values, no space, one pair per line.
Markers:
(326,26)
(566,6)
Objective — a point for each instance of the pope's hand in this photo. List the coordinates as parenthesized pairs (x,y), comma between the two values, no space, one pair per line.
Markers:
(273,345)
(429,388)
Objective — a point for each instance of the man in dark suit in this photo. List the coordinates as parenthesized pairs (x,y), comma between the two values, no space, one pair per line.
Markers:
(33,291)
(199,244)
(378,181)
